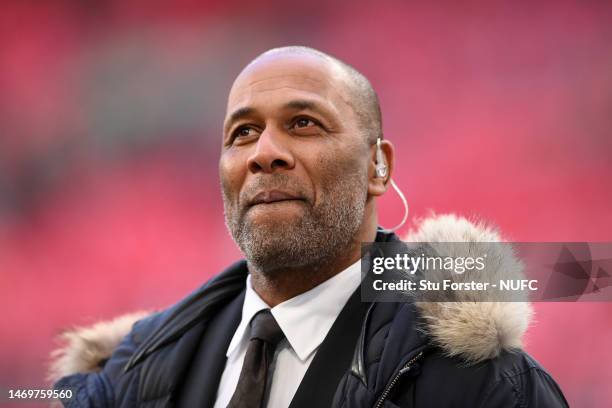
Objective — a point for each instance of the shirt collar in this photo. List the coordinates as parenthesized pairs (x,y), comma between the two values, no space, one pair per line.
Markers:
(304,319)
(252,304)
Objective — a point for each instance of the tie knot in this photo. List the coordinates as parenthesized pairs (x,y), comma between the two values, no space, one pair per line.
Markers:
(264,327)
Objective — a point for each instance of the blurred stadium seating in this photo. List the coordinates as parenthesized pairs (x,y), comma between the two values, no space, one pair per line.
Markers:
(110,118)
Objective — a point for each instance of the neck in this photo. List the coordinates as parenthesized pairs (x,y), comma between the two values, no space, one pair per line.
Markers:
(290,282)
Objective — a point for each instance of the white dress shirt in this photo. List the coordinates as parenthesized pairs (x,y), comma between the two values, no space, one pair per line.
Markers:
(304,319)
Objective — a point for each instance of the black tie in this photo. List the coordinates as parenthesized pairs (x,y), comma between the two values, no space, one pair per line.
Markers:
(251,388)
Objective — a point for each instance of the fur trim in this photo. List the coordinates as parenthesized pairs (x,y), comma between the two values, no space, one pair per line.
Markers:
(472,330)
(86,348)
(467,327)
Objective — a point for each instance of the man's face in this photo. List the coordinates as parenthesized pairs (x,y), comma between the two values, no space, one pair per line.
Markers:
(294,163)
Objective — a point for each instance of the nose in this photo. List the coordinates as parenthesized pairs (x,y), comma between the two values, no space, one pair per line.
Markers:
(270,154)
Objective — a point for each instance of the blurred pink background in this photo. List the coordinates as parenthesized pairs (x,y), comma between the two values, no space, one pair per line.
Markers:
(110,126)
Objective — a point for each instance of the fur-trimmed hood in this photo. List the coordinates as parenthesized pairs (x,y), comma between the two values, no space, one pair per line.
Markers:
(474,331)
(85,349)
(467,326)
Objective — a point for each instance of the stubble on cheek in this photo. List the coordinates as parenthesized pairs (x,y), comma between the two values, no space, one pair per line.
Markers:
(230,202)
(325,227)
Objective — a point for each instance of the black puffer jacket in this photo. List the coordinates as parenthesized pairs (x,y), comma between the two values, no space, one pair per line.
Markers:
(406,354)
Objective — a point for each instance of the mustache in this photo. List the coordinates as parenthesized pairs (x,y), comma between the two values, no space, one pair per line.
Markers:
(278,181)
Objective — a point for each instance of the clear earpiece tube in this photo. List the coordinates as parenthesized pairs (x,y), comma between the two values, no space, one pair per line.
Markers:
(403,198)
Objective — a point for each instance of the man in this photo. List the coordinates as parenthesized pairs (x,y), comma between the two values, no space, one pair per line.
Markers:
(302,143)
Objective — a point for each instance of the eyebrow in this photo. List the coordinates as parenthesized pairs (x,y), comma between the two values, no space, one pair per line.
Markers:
(296,104)
(237,115)
(301,104)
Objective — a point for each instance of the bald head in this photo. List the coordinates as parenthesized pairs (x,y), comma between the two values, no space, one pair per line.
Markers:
(361,95)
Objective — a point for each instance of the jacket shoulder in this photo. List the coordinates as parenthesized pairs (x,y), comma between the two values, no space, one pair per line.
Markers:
(87,349)
(472,346)
(523,382)
(512,379)
(93,359)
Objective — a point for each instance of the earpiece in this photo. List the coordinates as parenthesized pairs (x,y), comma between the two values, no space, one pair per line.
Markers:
(381,172)
(381,167)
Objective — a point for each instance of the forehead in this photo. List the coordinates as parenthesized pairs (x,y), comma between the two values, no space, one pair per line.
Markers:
(289,75)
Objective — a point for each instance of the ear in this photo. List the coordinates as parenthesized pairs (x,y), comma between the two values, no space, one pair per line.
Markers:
(377,186)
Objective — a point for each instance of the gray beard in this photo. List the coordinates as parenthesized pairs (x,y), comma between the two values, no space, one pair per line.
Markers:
(318,238)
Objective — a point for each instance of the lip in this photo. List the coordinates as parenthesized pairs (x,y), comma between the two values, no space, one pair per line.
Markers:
(272,196)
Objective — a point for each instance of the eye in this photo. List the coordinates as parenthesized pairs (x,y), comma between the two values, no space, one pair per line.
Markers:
(304,123)
(243,131)
(242,134)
